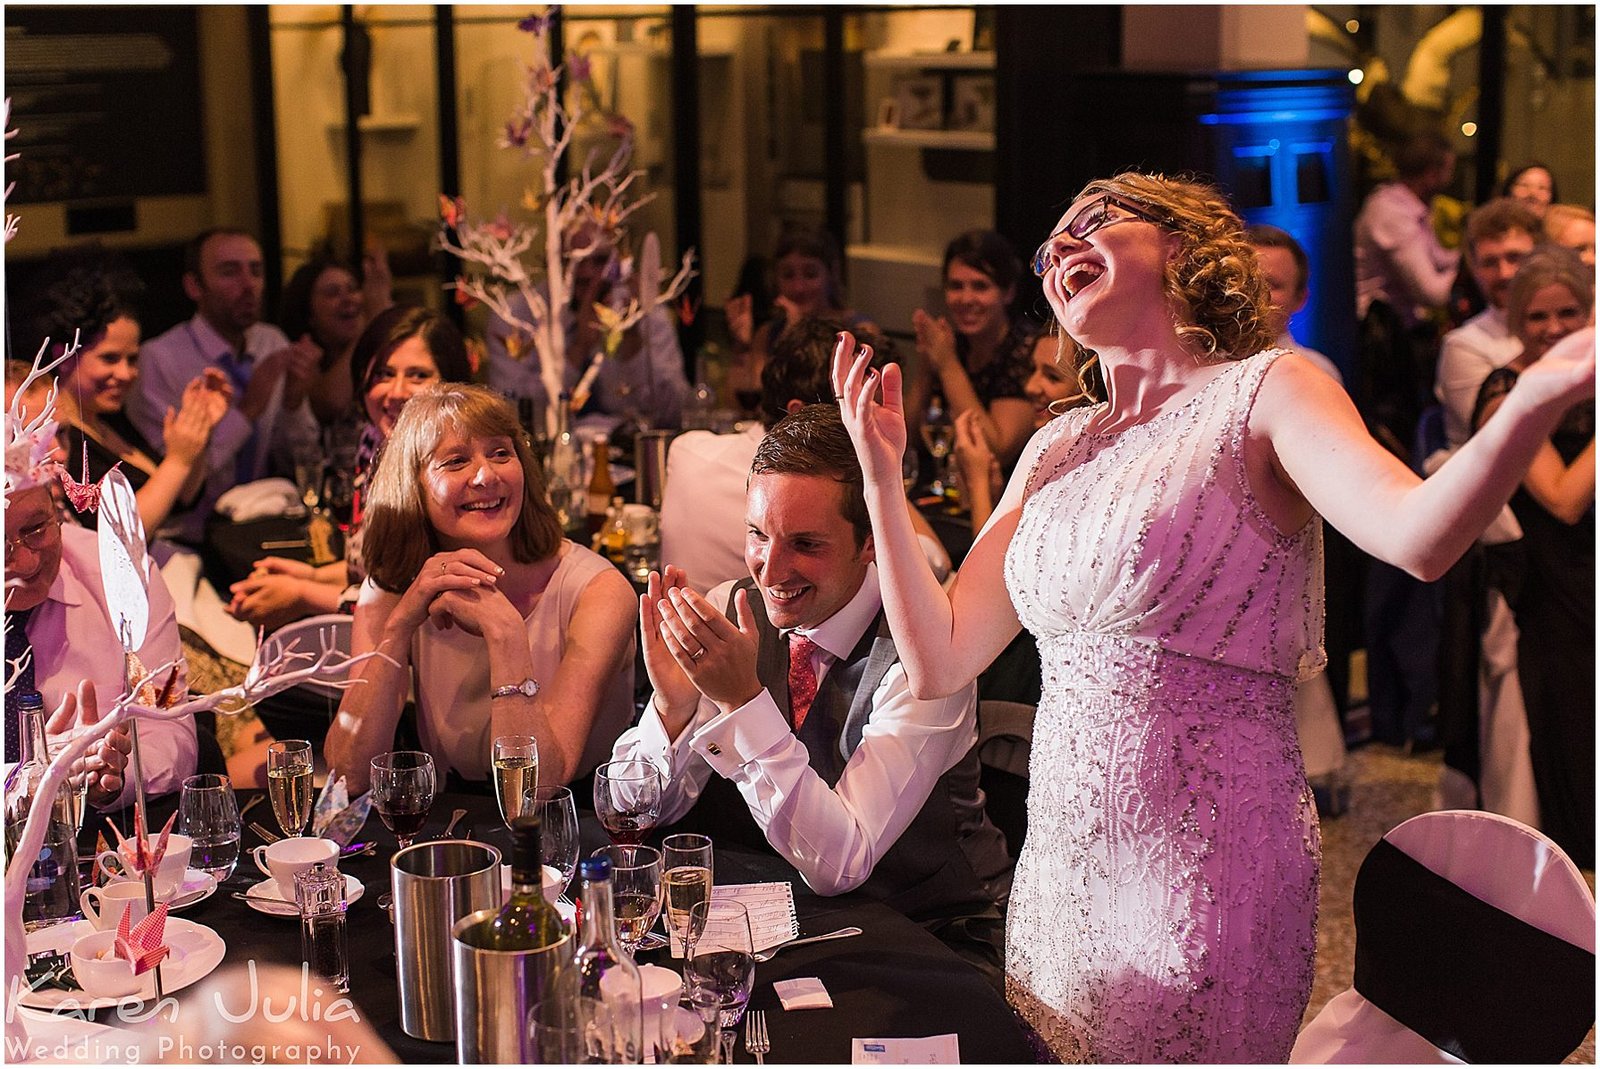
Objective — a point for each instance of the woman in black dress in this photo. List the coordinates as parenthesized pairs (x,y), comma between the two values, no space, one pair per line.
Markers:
(1549,577)
(87,291)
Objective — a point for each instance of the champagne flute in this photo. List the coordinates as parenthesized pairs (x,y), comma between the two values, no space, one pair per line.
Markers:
(558,812)
(722,956)
(627,799)
(516,773)
(76,789)
(689,879)
(635,891)
(402,792)
(289,769)
(208,812)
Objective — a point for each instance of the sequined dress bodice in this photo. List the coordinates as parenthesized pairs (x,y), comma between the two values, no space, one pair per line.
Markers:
(1165,900)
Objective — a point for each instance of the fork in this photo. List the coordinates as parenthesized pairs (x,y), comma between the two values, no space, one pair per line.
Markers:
(267,834)
(756,1040)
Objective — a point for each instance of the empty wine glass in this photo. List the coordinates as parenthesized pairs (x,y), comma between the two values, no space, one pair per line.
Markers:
(722,956)
(688,874)
(558,813)
(403,786)
(208,813)
(635,891)
(627,799)
(289,771)
(516,772)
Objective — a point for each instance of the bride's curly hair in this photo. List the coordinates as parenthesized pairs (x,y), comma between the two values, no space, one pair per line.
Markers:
(1215,277)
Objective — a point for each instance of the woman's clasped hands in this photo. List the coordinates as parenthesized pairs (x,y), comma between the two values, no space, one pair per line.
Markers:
(457,588)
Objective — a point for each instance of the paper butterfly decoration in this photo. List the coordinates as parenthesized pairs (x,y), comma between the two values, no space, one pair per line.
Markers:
(124,561)
(142,945)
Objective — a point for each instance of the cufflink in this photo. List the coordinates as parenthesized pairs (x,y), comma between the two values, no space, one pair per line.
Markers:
(716,751)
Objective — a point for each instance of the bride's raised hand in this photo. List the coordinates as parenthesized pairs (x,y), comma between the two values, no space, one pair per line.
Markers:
(878,428)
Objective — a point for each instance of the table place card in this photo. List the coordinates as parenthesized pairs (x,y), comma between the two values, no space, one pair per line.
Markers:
(771,907)
(805,993)
(931,1050)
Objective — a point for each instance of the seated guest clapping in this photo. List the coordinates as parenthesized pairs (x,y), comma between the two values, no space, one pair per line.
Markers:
(795,729)
(502,626)
(60,629)
(402,351)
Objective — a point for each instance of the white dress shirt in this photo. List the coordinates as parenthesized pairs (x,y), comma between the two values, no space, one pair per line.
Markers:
(1466,356)
(74,638)
(169,361)
(1399,258)
(833,836)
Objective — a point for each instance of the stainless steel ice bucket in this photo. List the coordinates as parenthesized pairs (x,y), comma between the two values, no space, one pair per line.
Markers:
(435,884)
(494,991)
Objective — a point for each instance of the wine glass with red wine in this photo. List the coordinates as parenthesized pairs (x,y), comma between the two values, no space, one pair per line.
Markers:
(627,799)
(403,786)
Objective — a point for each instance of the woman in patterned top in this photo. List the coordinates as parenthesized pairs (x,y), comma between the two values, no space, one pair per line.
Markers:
(402,350)
(979,356)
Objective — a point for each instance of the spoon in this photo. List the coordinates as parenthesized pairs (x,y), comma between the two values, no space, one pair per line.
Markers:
(842,933)
(455,818)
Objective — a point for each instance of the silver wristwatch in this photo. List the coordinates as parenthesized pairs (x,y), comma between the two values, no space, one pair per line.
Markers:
(527,688)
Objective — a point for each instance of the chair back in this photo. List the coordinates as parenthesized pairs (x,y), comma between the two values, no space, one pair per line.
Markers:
(1474,942)
(308,636)
(1005,743)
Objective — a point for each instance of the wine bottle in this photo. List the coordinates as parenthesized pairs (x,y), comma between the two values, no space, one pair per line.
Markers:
(614,539)
(51,894)
(602,980)
(526,921)
(601,487)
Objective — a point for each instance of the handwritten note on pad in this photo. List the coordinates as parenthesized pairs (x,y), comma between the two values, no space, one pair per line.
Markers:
(771,907)
(932,1050)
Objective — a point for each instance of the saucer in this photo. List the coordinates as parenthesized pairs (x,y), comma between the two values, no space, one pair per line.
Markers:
(196,951)
(263,897)
(198,885)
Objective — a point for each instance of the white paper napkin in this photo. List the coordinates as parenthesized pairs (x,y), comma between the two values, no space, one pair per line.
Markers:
(806,993)
(930,1050)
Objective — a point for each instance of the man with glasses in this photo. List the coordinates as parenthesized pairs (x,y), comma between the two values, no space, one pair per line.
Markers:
(60,629)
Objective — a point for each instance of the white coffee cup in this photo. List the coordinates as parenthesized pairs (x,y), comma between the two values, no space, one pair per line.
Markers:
(169,874)
(113,899)
(284,859)
(98,971)
(662,988)
(551,882)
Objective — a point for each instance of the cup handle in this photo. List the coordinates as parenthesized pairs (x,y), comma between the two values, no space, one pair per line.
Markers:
(102,865)
(257,854)
(91,912)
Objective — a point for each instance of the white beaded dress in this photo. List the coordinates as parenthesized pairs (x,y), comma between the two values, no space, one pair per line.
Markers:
(1164,906)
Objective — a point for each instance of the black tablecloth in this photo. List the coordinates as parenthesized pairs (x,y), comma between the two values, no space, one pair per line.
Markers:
(894,980)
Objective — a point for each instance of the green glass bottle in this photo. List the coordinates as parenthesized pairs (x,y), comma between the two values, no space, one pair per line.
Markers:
(527,921)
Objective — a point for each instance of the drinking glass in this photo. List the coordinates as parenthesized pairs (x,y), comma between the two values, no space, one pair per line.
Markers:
(688,875)
(76,789)
(402,792)
(635,891)
(722,956)
(515,762)
(289,769)
(208,813)
(939,435)
(627,799)
(558,812)
(909,469)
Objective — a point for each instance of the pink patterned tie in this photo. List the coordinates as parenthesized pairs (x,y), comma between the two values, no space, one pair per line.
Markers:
(802,678)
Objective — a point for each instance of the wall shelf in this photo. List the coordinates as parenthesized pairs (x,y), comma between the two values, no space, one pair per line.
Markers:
(920,61)
(974,140)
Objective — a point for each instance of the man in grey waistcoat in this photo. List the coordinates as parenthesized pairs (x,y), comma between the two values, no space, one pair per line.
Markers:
(794,729)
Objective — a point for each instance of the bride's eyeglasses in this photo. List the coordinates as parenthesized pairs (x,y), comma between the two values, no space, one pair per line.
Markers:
(1086,220)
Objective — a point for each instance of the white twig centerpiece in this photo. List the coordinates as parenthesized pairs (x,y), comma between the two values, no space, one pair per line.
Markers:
(583,216)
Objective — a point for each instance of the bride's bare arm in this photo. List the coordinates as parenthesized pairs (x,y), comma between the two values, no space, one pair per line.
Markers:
(1322,450)
(944,640)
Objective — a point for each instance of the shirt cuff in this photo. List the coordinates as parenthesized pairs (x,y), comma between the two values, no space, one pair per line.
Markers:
(737,737)
(653,738)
